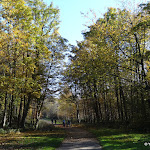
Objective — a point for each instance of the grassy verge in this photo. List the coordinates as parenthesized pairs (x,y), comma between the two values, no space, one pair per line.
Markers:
(38,140)
(117,139)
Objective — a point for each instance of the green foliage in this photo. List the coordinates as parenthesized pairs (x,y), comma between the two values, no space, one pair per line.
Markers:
(29,30)
(2,131)
(9,131)
(108,69)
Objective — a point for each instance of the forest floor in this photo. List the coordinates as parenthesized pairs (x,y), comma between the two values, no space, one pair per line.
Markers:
(79,139)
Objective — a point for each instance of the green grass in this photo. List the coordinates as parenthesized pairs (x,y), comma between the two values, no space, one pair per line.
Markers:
(117,139)
(32,140)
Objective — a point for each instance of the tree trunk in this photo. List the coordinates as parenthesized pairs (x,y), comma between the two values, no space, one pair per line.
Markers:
(117,96)
(38,111)
(25,111)
(20,111)
(11,110)
(5,112)
(77,110)
(123,100)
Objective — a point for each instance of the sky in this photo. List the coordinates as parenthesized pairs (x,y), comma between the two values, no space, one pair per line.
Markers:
(73,23)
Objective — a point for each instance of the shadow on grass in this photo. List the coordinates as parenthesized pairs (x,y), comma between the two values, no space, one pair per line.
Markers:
(46,142)
(51,142)
(114,145)
(48,135)
(117,139)
(107,132)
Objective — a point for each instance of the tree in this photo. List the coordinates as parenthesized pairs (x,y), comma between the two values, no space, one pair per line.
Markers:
(29,29)
(109,68)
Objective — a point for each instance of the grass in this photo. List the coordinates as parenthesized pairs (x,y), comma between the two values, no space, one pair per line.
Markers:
(38,140)
(117,139)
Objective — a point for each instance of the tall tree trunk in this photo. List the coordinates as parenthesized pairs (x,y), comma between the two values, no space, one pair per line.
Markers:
(117,96)
(77,110)
(142,72)
(111,113)
(96,111)
(124,101)
(20,111)
(25,111)
(38,111)
(11,110)
(105,107)
(96,106)
(132,101)
(5,112)
(143,108)
(100,111)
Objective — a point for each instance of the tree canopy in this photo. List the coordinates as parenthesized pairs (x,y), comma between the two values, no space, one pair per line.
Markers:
(109,69)
(107,79)
(30,49)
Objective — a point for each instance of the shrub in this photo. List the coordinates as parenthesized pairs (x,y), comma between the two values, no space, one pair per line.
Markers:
(45,126)
(2,131)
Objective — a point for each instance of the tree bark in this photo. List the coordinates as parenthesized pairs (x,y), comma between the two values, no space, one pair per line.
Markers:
(25,111)
(11,110)
(5,112)
(20,111)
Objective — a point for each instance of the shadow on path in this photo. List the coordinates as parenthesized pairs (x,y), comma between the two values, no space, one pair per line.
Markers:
(79,139)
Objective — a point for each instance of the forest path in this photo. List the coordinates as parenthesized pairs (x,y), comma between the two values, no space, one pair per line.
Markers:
(79,139)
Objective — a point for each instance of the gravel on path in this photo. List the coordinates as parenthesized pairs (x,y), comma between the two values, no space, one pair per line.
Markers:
(79,139)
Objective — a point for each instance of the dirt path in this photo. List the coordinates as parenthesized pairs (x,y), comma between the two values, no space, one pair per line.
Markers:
(79,139)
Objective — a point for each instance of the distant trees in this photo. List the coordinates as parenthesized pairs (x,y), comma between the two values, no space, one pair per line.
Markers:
(66,104)
(30,48)
(110,68)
